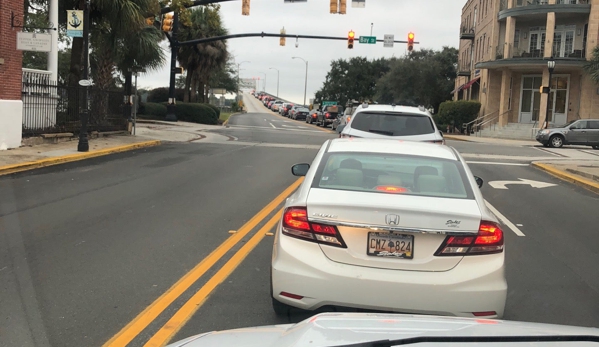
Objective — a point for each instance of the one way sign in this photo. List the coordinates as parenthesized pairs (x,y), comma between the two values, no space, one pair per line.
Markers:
(388,40)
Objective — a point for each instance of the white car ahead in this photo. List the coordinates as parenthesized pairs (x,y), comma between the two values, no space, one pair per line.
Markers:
(392,226)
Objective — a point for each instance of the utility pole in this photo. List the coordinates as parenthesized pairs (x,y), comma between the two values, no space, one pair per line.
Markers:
(53,54)
(170,108)
(306,80)
(83,145)
(238,65)
(272,68)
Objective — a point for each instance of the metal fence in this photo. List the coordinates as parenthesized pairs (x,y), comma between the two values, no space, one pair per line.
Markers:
(52,108)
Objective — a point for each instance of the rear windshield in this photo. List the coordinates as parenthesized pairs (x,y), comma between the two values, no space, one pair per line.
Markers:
(393,174)
(301,109)
(393,123)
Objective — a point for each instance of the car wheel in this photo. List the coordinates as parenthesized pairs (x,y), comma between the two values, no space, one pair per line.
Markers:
(546,144)
(556,141)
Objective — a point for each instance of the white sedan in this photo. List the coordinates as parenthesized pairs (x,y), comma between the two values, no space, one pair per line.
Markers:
(392,226)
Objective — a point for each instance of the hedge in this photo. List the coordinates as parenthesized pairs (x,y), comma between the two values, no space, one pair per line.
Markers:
(215,108)
(195,113)
(456,113)
(151,110)
(161,94)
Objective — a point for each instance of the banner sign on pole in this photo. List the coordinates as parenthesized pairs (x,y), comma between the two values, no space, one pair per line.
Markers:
(75,23)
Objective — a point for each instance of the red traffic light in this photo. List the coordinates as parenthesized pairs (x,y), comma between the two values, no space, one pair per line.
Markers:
(351,34)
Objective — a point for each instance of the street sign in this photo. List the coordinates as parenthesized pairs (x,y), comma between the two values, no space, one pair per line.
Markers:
(368,39)
(533,184)
(388,40)
(358,3)
(34,42)
(329,103)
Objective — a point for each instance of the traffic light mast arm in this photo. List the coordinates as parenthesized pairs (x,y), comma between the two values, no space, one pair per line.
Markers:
(195,3)
(235,36)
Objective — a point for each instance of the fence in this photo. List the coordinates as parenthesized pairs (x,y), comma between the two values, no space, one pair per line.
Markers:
(52,108)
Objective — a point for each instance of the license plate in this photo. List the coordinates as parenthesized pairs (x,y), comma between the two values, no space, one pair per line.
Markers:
(390,245)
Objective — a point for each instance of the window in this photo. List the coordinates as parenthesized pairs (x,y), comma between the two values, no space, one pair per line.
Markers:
(582,124)
(393,123)
(593,124)
(385,173)
(516,40)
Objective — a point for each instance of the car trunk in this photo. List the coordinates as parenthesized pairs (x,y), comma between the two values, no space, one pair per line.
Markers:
(408,212)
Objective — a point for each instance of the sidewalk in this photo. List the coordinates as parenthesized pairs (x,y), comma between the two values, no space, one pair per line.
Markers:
(490,140)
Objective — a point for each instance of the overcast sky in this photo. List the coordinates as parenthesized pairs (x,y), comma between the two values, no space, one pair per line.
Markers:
(434,22)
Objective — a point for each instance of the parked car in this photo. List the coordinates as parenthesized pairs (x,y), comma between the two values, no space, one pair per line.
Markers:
(269,104)
(328,114)
(300,113)
(387,225)
(275,106)
(282,107)
(312,117)
(392,121)
(293,110)
(578,132)
(341,119)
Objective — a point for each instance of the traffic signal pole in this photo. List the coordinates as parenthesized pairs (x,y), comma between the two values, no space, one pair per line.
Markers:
(170,108)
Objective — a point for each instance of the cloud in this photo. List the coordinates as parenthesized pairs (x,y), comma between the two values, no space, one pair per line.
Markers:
(434,22)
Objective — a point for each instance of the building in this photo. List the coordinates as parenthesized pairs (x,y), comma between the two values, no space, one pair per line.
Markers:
(11,107)
(504,49)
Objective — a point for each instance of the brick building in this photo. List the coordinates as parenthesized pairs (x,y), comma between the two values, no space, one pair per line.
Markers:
(504,49)
(11,107)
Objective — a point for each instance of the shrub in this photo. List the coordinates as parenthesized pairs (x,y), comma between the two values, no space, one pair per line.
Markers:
(215,108)
(152,110)
(195,113)
(456,113)
(161,95)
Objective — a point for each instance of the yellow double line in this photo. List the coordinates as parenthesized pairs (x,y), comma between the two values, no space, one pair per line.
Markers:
(176,322)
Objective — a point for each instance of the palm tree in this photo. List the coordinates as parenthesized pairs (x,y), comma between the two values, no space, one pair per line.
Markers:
(592,66)
(203,60)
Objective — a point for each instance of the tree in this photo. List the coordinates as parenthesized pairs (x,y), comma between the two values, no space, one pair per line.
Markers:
(424,77)
(592,66)
(353,79)
(204,60)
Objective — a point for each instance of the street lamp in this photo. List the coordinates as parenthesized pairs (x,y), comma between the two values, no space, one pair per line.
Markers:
(264,84)
(238,65)
(272,68)
(550,67)
(306,83)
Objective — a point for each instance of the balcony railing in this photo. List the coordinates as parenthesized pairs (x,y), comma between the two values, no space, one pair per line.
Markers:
(467,33)
(536,53)
(503,5)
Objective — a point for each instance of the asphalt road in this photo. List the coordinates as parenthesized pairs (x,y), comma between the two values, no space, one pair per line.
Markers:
(86,247)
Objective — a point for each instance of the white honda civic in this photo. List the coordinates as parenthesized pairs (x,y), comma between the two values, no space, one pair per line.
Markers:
(392,226)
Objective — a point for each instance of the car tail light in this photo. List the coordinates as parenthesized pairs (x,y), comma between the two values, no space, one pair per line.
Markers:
(489,240)
(296,224)
(328,115)
(390,189)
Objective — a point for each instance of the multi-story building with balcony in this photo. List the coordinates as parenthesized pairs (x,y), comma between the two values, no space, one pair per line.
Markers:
(504,49)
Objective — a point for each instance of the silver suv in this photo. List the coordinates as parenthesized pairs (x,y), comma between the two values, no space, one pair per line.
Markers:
(391,121)
(577,132)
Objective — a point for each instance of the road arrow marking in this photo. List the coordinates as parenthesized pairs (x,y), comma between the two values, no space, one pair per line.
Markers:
(534,184)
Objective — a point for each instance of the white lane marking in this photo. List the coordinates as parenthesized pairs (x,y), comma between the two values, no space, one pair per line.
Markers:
(272,125)
(589,152)
(519,225)
(548,151)
(504,220)
(496,163)
(534,184)
(239,127)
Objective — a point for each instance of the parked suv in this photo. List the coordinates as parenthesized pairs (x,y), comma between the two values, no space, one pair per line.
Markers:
(392,121)
(578,132)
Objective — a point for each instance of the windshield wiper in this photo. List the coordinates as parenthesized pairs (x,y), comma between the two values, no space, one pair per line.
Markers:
(475,339)
(382,132)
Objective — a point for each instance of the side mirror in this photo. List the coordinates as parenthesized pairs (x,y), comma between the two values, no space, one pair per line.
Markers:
(300,169)
(479,181)
(340,128)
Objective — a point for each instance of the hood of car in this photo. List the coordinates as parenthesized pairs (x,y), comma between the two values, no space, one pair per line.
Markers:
(338,329)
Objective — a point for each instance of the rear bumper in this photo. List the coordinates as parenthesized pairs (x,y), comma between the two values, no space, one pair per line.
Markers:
(476,284)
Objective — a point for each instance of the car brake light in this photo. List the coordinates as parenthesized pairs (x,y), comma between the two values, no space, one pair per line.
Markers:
(489,240)
(390,189)
(328,115)
(296,224)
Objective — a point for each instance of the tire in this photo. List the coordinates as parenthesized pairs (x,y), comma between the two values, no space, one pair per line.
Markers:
(556,141)
(595,146)
(546,144)
(281,310)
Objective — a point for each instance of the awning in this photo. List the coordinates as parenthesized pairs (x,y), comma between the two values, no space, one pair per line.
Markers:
(469,84)
(458,89)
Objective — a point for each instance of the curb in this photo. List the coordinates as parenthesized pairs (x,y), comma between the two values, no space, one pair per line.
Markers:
(232,114)
(456,138)
(14,168)
(566,176)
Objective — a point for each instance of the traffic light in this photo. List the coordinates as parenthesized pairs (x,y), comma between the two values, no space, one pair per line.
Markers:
(245,8)
(342,6)
(282,39)
(167,22)
(350,39)
(410,41)
(334,6)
